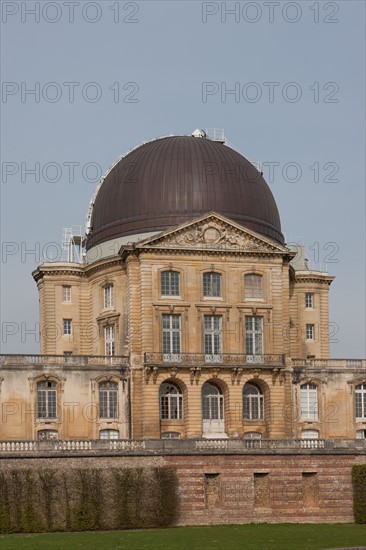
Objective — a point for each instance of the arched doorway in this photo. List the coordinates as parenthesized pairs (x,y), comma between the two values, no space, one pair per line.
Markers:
(212,411)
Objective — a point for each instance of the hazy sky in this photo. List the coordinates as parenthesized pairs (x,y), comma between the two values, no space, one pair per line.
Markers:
(108,75)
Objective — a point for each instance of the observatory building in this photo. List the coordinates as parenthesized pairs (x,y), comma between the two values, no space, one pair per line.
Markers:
(187,316)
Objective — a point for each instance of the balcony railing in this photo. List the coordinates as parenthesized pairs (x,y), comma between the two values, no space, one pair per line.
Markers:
(222,359)
(181,446)
(73,360)
(340,363)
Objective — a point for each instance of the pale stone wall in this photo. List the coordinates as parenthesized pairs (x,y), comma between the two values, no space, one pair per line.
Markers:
(137,317)
(77,401)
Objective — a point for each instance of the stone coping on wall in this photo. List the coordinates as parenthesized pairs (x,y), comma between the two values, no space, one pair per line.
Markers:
(151,447)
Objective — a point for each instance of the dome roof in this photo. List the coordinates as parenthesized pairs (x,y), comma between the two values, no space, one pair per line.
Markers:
(172,180)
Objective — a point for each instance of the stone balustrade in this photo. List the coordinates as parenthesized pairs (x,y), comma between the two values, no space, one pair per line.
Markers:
(78,361)
(179,446)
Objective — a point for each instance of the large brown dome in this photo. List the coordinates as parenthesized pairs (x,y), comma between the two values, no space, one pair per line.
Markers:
(171,180)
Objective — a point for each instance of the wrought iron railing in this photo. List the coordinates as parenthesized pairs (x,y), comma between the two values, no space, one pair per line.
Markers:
(223,359)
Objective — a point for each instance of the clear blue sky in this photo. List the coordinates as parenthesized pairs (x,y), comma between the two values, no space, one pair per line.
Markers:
(168,53)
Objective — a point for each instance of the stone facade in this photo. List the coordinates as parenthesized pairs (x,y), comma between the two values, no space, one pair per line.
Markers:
(207,329)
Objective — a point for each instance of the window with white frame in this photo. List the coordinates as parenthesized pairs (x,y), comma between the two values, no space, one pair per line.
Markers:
(212,402)
(360,401)
(109,339)
(253,402)
(253,286)
(212,284)
(108,292)
(170,435)
(252,435)
(66,293)
(170,283)
(47,399)
(67,327)
(213,335)
(361,434)
(109,434)
(309,402)
(309,434)
(253,335)
(310,332)
(47,435)
(171,333)
(171,402)
(108,399)
(309,300)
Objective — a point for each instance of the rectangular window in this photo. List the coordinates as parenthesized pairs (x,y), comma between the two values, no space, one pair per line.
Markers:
(108,296)
(67,327)
(66,293)
(213,337)
(212,285)
(171,334)
(108,400)
(262,496)
(253,335)
(109,338)
(46,400)
(170,283)
(360,401)
(309,300)
(310,332)
(253,286)
(309,402)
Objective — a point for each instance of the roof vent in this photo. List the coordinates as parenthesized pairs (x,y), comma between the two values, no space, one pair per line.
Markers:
(199,133)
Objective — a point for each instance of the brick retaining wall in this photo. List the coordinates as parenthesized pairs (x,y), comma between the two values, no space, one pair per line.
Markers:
(302,486)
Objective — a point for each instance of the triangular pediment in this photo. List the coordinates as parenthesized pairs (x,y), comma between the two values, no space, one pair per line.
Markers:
(212,232)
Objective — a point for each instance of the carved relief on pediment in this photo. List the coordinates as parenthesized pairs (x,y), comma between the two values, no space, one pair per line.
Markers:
(213,235)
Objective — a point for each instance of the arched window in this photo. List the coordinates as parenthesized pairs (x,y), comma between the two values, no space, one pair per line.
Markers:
(212,402)
(47,435)
(170,283)
(253,286)
(170,435)
(108,400)
(309,402)
(46,399)
(252,402)
(309,434)
(212,284)
(171,402)
(109,434)
(360,396)
(252,435)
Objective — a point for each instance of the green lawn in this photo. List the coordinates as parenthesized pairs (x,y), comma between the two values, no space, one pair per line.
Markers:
(228,537)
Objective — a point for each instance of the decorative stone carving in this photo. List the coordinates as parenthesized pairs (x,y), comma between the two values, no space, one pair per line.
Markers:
(154,371)
(236,374)
(213,234)
(195,373)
